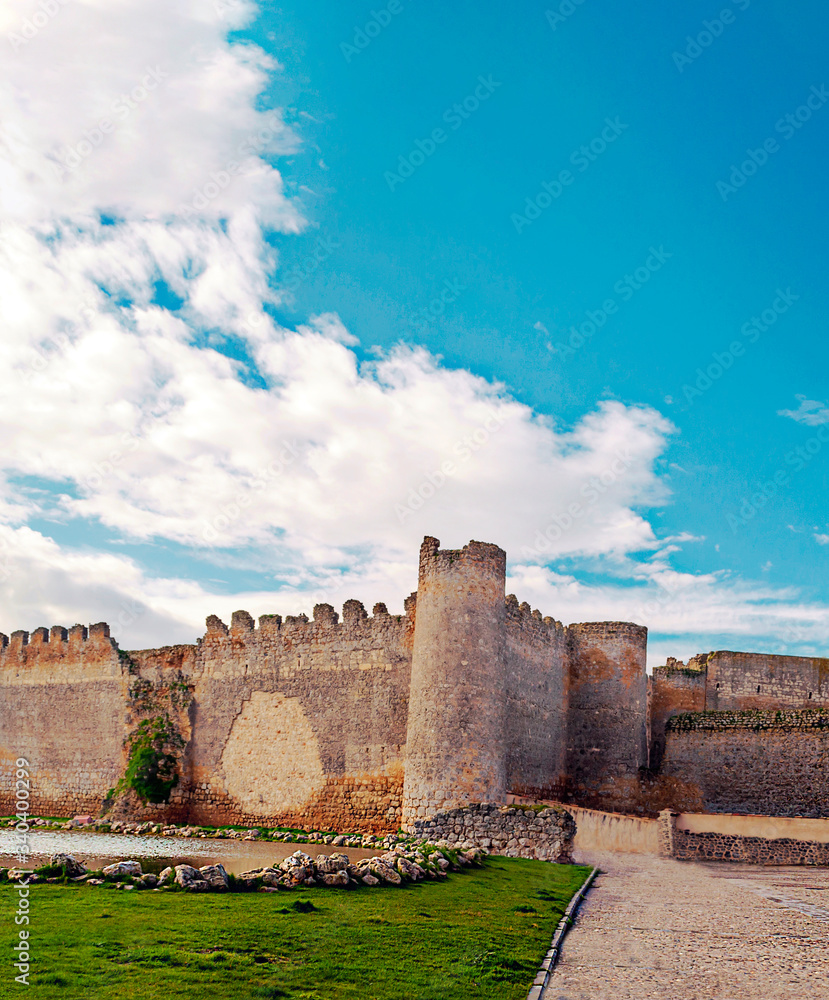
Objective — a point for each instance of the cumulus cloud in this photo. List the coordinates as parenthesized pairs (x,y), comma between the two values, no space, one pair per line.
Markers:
(690,613)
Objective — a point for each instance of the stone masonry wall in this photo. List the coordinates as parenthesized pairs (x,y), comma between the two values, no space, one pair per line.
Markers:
(546,834)
(763,762)
(687,846)
(64,709)
(302,722)
(297,722)
(675,689)
(536,707)
(607,739)
(742,681)
(455,750)
(373,722)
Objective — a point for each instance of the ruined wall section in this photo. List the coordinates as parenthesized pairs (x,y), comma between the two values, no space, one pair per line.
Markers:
(64,694)
(607,741)
(769,763)
(740,681)
(455,750)
(302,722)
(675,689)
(536,705)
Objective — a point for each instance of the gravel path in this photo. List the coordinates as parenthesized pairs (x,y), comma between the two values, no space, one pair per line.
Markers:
(677,930)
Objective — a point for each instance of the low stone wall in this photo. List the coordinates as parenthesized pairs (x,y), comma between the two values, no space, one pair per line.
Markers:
(762,762)
(766,827)
(717,846)
(546,834)
(604,831)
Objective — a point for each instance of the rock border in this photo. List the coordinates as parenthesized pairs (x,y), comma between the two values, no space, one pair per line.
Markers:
(413,863)
(543,978)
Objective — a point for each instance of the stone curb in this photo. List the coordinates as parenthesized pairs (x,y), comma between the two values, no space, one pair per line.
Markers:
(550,959)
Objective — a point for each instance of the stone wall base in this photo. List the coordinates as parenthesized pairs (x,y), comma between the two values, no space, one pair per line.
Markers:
(709,846)
(513,831)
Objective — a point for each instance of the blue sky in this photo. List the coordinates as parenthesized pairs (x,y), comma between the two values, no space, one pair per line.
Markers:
(654,186)
(662,294)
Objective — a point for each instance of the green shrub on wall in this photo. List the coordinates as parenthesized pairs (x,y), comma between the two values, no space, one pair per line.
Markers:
(152,765)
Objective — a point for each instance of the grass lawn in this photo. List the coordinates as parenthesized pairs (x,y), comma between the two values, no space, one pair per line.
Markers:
(480,934)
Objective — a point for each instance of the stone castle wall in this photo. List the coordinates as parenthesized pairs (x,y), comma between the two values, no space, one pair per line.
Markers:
(457,705)
(739,681)
(536,692)
(297,722)
(763,762)
(64,708)
(674,689)
(370,722)
(712,845)
(607,740)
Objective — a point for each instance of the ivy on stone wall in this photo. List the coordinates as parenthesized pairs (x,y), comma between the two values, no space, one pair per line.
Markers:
(153,755)
(754,719)
(142,695)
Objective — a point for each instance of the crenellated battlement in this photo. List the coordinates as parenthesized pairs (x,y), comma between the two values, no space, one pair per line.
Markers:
(349,719)
(524,618)
(326,621)
(480,558)
(56,645)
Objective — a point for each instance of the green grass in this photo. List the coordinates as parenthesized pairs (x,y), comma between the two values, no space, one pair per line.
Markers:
(480,934)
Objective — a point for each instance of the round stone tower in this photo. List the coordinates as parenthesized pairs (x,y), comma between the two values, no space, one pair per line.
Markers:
(455,738)
(608,704)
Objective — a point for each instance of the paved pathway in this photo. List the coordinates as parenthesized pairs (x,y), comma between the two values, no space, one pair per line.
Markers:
(678,930)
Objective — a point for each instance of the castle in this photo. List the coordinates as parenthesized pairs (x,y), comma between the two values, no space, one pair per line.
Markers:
(376,722)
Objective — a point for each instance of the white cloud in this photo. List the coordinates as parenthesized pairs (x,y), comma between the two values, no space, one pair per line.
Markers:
(118,411)
(821,539)
(693,610)
(810,412)
(135,109)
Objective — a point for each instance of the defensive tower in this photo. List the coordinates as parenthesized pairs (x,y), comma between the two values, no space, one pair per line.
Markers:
(455,738)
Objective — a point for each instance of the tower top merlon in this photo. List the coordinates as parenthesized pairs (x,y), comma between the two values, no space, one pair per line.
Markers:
(483,557)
